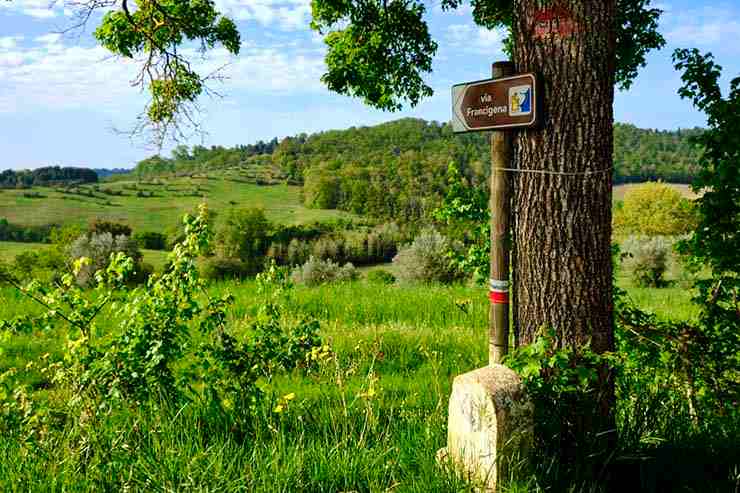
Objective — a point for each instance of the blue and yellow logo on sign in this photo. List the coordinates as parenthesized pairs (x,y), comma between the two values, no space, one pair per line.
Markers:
(520,100)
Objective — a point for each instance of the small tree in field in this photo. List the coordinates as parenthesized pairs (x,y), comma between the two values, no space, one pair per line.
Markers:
(245,234)
(654,209)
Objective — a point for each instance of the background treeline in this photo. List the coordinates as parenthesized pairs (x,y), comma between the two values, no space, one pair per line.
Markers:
(654,155)
(24,234)
(50,175)
(398,169)
(202,159)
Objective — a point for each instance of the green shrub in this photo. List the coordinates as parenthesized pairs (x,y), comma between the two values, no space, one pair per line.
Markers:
(646,259)
(142,272)
(97,249)
(426,260)
(653,209)
(564,387)
(153,358)
(244,234)
(380,276)
(316,271)
(298,252)
(34,195)
(382,242)
(217,268)
(329,248)
(151,240)
(99,226)
(321,188)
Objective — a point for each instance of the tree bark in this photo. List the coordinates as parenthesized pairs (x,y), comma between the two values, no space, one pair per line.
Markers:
(563,221)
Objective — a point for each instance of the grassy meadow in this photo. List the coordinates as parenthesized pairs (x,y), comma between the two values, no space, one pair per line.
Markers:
(369,418)
(406,343)
(168,202)
(162,205)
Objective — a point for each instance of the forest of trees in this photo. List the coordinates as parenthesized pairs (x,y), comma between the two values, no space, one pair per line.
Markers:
(399,169)
(50,175)
(651,155)
(199,158)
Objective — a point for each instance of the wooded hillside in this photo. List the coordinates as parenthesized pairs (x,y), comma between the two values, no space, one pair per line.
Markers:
(50,175)
(399,168)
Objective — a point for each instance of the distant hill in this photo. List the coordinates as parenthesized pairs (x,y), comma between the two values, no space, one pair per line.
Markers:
(398,169)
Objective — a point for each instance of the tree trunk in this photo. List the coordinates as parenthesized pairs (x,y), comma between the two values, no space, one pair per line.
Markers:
(563,222)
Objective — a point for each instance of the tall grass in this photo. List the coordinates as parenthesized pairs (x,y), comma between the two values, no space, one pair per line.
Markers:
(406,343)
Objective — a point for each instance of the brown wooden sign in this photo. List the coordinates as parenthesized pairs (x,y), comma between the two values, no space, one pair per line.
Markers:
(495,104)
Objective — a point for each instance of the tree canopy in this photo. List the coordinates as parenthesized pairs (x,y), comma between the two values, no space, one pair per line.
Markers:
(380,50)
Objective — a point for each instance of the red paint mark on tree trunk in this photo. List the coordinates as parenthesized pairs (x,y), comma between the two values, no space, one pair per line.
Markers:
(554,21)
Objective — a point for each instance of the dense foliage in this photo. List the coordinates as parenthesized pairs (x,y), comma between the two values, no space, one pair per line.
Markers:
(202,159)
(398,169)
(380,51)
(26,234)
(171,347)
(46,176)
(654,209)
(425,260)
(316,271)
(647,259)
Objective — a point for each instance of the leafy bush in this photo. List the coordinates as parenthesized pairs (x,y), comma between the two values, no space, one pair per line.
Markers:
(244,234)
(152,359)
(97,249)
(652,209)
(697,362)
(329,248)
(380,276)
(151,240)
(34,195)
(218,268)
(647,259)
(426,260)
(316,271)
(382,242)
(564,386)
(99,226)
(465,214)
(27,234)
(299,252)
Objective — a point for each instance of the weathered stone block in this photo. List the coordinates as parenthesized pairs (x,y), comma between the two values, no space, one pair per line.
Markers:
(490,423)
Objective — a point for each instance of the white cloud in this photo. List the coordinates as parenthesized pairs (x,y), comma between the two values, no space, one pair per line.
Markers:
(474,39)
(50,74)
(706,26)
(9,42)
(286,15)
(39,9)
(49,39)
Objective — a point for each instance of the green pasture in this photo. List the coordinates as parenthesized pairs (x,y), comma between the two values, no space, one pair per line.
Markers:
(407,343)
(170,201)
(9,249)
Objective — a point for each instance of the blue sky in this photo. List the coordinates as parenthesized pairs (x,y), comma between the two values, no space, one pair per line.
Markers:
(62,98)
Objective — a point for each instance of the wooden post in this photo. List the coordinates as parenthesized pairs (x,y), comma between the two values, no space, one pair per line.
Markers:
(501,154)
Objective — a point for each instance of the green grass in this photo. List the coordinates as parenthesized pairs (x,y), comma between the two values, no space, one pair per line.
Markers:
(163,211)
(173,198)
(9,249)
(332,437)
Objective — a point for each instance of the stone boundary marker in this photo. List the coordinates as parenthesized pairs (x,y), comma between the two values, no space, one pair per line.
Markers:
(490,424)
